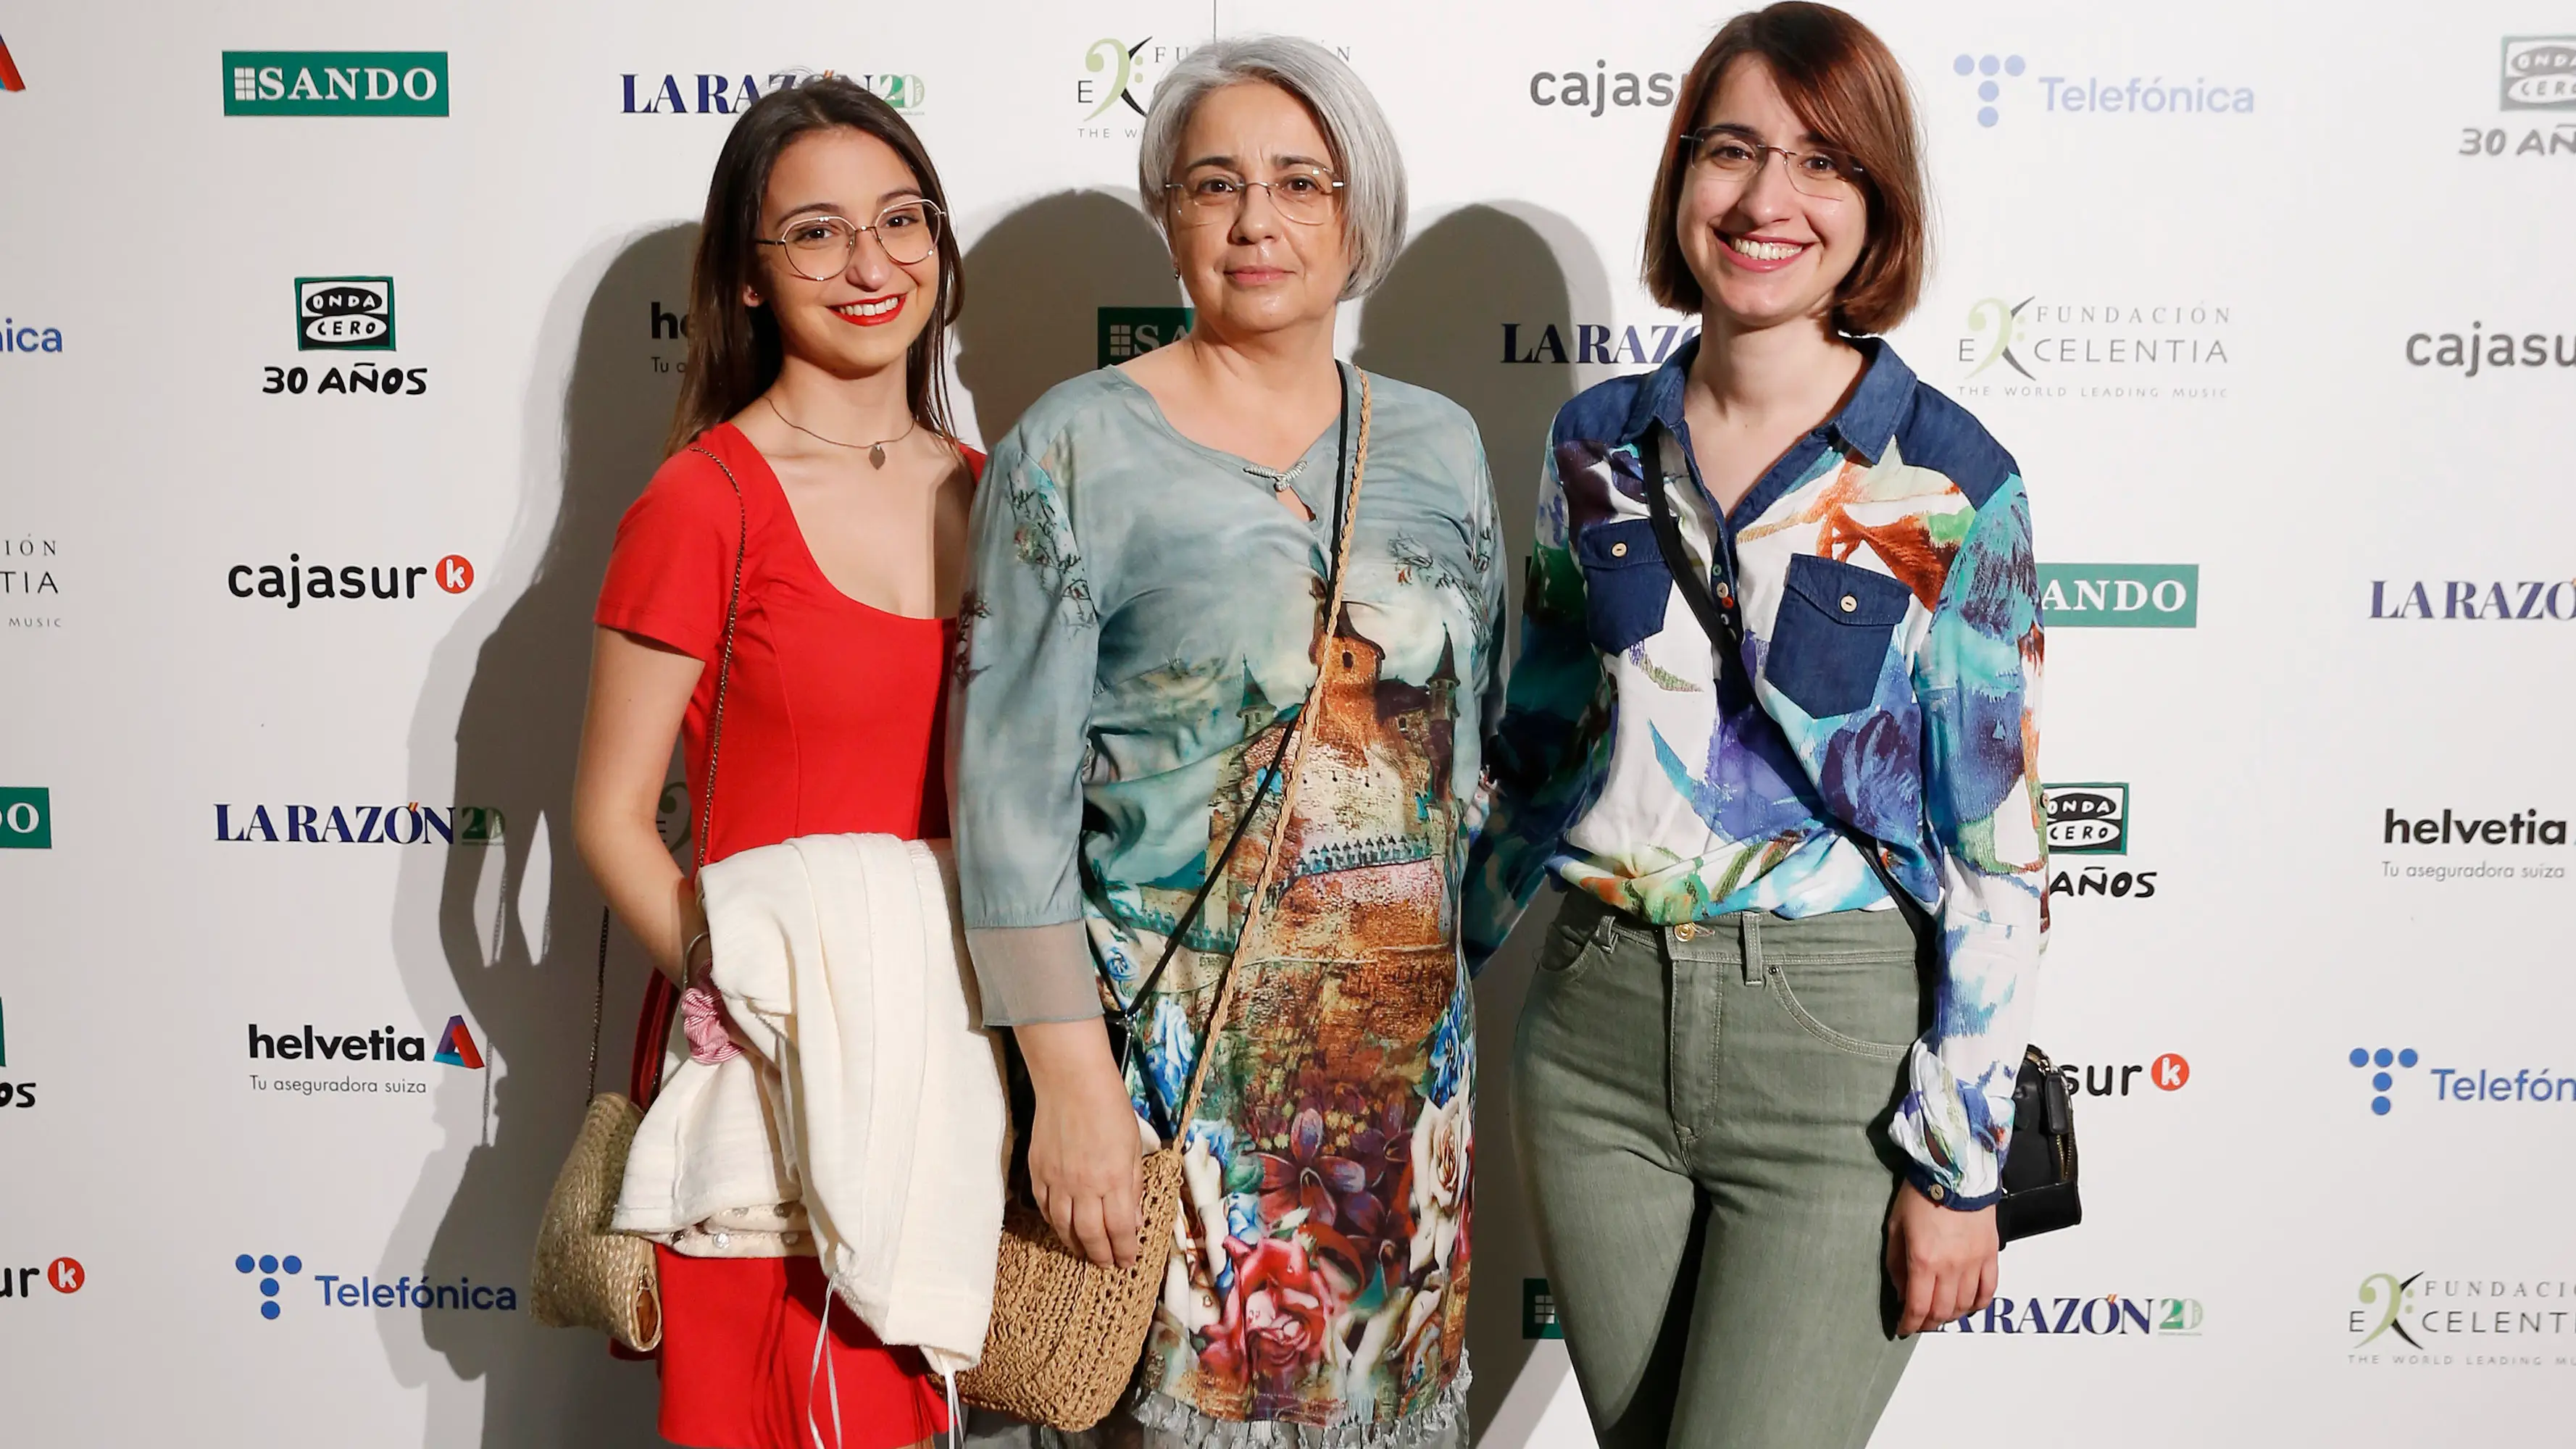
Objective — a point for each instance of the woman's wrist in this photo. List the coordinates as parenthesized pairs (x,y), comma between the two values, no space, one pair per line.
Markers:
(1065,1056)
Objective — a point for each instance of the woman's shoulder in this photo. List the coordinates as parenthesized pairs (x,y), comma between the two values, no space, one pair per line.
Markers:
(1414,408)
(1935,431)
(1087,400)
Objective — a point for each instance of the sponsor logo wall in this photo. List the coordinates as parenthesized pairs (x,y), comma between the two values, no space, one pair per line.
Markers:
(323,394)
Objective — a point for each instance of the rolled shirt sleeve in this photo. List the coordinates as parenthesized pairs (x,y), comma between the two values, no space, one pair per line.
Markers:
(1978,675)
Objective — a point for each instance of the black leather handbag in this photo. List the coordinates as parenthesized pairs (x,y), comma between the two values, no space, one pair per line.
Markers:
(2038,1170)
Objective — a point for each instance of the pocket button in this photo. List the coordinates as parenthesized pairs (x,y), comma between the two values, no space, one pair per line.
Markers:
(1685,931)
(1620,550)
(1850,603)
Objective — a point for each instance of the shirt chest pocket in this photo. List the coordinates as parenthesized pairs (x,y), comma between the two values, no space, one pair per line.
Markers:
(1625,584)
(1836,623)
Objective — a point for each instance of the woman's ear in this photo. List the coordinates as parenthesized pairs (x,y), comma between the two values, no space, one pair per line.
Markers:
(750,298)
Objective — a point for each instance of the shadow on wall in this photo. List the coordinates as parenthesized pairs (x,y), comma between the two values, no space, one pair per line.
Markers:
(518,924)
(1437,322)
(1035,284)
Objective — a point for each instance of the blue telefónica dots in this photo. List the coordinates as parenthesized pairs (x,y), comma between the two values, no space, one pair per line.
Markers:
(2381,1081)
(2383,1056)
(244,1263)
(1965,65)
(2379,1106)
(268,1265)
(1985,115)
(2406,1058)
(2360,1056)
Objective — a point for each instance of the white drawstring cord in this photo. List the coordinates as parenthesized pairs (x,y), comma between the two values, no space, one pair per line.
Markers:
(956,1419)
(823,1337)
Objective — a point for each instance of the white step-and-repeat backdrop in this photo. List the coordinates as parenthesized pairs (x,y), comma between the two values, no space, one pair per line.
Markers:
(2275,306)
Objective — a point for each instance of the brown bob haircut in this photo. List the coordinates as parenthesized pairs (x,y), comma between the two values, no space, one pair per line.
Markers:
(1840,79)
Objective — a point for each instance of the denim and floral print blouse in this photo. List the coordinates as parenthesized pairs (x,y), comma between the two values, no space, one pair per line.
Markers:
(1889,681)
(1144,626)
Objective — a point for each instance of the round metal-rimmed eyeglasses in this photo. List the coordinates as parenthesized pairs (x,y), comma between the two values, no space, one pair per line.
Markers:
(819,247)
(1823,172)
(1303,194)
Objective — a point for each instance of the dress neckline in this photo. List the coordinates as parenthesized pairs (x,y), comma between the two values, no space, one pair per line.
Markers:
(1294,477)
(804,552)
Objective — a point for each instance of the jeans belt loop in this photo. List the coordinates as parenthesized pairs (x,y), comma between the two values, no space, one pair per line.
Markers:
(1752,928)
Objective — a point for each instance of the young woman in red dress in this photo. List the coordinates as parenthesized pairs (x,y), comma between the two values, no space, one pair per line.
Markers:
(826,277)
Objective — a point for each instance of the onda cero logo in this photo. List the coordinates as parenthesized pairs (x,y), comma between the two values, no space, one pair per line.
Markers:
(294,582)
(344,314)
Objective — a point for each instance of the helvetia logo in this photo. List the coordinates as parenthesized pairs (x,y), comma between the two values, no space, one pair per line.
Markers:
(2087,819)
(64,1275)
(26,817)
(1127,332)
(344,314)
(412,824)
(10,80)
(455,1046)
(2112,1315)
(295,581)
(424,1295)
(335,83)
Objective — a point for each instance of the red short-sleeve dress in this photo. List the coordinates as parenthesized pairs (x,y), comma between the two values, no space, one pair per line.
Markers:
(833,720)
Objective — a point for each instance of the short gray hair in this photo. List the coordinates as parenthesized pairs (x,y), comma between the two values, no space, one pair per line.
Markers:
(1363,145)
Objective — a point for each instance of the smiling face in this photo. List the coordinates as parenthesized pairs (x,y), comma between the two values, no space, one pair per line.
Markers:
(1763,251)
(1248,268)
(862,318)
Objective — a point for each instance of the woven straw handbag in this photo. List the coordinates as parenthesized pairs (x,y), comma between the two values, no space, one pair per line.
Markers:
(585,1274)
(1067,1336)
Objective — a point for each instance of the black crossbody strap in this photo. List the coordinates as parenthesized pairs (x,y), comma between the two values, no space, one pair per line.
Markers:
(1724,623)
(1126,1011)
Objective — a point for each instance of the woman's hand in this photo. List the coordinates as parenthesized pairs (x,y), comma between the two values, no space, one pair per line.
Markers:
(1083,1148)
(1941,1260)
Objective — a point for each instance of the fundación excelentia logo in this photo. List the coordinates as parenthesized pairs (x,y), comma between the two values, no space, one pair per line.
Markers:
(423,1295)
(2524,1085)
(2094,345)
(2119,596)
(1994,76)
(335,82)
(2465,1322)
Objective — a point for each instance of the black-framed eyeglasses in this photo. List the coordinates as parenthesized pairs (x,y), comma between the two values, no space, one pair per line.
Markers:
(1827,173)
(819,247)
(1303,194)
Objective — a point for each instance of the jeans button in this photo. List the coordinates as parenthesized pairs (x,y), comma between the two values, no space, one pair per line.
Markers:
(1685,932)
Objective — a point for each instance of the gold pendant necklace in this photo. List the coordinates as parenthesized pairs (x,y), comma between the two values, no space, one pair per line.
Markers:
(876,450)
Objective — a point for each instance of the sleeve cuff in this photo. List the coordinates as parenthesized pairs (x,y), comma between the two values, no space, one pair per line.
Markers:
(1941,1196)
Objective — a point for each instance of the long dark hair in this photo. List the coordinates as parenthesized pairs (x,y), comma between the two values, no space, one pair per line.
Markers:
(734,350)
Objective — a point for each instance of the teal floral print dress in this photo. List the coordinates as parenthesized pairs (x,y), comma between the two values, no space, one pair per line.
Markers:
(1142,629)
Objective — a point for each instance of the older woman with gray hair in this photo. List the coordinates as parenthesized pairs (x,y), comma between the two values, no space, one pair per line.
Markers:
(1152,551)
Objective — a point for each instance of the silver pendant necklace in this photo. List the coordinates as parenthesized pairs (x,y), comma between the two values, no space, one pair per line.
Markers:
(876,450)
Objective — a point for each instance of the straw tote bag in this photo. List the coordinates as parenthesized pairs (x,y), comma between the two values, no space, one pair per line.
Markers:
(586,1275)
(1067,1335)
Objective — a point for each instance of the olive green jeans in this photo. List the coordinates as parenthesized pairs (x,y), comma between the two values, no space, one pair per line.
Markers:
(1701,1112)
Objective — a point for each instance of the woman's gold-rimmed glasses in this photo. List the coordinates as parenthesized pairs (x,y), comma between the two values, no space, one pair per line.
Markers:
(1303,194)
(819,247)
